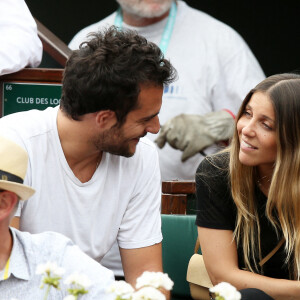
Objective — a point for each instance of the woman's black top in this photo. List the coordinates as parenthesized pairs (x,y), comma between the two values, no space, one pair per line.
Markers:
(216,209)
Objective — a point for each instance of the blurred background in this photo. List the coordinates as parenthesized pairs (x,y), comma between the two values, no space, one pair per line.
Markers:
(271,28)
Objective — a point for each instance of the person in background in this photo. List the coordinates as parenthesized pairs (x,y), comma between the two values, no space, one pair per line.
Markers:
(20,44)
(96,177)
(216,68)
(22,253)
(248,196)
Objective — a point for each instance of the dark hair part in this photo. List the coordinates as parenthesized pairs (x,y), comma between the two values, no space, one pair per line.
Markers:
(107,71)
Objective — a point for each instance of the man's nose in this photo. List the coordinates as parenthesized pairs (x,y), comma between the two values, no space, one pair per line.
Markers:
(154,125)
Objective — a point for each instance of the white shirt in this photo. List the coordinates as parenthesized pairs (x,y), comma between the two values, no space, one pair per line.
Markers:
(121,201)
(20,45)
(31,250)
(216,70)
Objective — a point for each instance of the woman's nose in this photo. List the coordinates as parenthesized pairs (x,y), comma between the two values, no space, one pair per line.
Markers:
(249,129)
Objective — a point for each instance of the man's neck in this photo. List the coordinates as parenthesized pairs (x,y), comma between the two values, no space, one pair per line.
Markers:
(82,157)
(137,21)
(6,243)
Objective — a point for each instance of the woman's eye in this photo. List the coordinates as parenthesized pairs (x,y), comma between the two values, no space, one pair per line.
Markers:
(247,113)
(267,126)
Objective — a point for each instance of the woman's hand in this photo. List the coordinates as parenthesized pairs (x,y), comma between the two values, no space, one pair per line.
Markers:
(220,257)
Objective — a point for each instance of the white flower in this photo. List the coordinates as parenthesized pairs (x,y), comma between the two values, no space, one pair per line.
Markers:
(155,279)
(70,297)
(148,293)
(226,290)
(78,279)
(50,268)
(120,288)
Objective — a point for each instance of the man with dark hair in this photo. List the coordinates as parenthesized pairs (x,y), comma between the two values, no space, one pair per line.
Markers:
(216,69)
(22,253)
(97,179)
(121,62)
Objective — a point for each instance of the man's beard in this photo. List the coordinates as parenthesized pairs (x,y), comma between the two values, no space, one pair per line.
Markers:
(144,9)
(114,142)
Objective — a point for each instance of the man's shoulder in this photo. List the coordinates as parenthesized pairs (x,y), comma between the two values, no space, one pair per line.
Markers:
(144,160)
(146,150)
(27,123)
(56,248)
(194,13)
(46,240)
(205,23)
(45,246)
(147,144)
(29,117)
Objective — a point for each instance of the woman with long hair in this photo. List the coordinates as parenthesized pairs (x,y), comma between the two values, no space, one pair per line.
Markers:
(249,195)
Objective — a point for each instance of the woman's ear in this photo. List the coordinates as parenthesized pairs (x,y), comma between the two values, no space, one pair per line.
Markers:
(8,201)
(105,119)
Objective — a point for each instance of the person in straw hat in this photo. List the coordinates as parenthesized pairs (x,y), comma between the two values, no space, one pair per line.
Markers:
(22,253)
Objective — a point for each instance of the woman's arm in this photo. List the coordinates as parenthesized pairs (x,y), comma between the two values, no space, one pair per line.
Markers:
(221,261)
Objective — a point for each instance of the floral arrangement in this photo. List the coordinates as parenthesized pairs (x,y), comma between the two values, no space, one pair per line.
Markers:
(225,291)
(148,285)
(52,274)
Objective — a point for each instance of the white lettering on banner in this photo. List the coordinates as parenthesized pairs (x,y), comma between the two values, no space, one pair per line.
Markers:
(54,101)
(25,100)
(41,101)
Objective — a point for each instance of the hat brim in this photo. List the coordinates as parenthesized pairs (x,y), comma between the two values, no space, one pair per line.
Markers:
(23,191)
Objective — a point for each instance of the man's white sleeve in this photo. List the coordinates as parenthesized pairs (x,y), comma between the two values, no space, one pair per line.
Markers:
(141,224)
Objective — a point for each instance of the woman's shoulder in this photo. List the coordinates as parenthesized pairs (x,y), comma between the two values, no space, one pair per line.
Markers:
(215,164)
(213,172)
(215,206)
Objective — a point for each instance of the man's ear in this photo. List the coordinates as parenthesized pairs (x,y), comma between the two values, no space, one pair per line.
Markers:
(105,119)
(8,201)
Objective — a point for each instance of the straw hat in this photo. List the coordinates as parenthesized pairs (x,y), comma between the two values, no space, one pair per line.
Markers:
(13,167)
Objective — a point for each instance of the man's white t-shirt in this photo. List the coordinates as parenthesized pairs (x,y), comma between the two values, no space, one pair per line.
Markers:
(216,69)
(121,201)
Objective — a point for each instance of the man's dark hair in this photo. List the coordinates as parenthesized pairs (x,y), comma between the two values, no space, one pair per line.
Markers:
(107,71)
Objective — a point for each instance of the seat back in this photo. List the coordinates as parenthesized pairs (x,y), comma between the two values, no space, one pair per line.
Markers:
(179,238)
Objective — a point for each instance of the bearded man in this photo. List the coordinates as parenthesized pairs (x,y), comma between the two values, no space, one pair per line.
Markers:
(216,69)
(96,178)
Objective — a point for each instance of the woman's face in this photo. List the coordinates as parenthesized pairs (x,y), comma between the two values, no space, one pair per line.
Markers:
(256,130)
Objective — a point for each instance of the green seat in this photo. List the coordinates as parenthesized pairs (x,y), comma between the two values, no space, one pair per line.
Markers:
(179,238)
